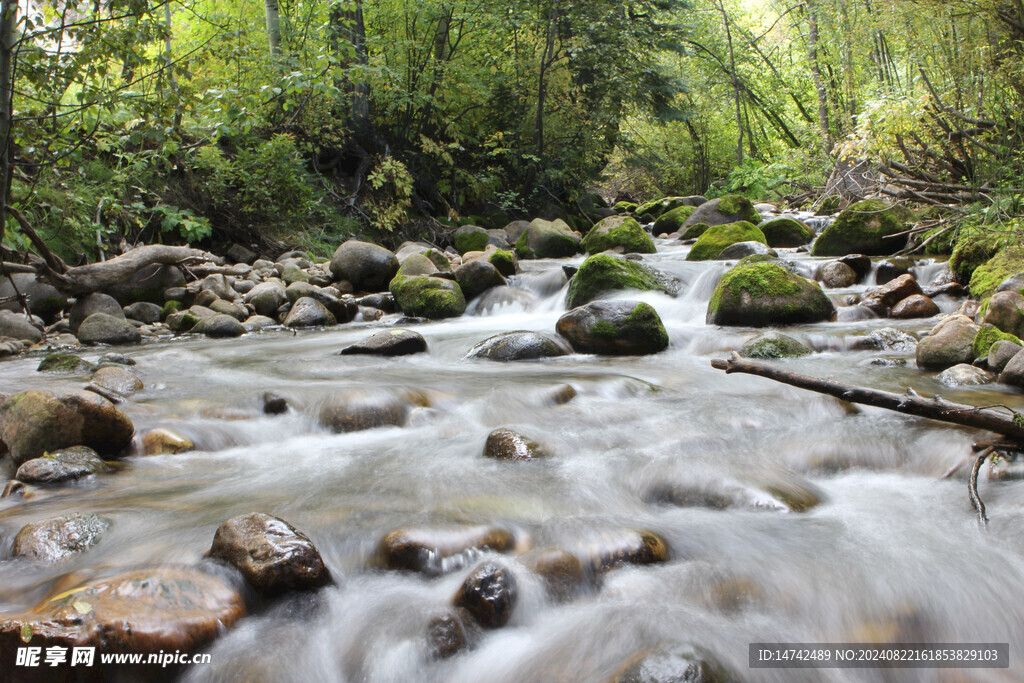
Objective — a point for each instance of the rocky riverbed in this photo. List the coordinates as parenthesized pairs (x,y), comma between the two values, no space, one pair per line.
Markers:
(426,465)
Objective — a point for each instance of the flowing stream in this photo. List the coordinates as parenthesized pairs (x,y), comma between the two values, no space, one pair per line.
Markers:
(893,552)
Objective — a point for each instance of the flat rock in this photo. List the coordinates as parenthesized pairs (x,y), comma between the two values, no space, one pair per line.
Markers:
(53,540)
(142,611)
(64,465)
(395,342)
(117,379)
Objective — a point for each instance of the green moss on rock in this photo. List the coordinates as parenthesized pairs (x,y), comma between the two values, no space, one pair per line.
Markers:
(786,232)
(547,239)
(773,345)
(504,261)
(618,232)
(867,227)
(428,297)
(986,278)
(672,221)
(64,363)
(661,206)
(625,207)
(694,231)
(718,237)
(603,273)
(989,335)
(471,240)
(761,294)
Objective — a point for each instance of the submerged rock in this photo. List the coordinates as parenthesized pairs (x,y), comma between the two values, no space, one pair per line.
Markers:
(64,465)
(142,611)
(389,343)
(676,664)
(356,411)
(560,569)
(35,422)
(450,633)
(506,444)
(964,375)
(614,328)
(519,345)
(437,549)
(64,363)
(489,593)
(601,550)
(271,554)
(117,379)
(773,345)
(886,339)
(56,539)
(163,441)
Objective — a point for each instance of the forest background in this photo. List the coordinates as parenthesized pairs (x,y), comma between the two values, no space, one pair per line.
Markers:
(299,123)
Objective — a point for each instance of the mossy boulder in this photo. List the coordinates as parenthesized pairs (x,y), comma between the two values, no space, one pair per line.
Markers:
(731,208)
(672,221)
(986,278)
(428,297)
(786,233)
(717,237)
(614,328)
(694,231)
(471,238)
(67,363)
(774,345)
(617,232)
(602,273)
(987,336)
(34,422)
(625,207)
(547,239)
(1005,311)
(761,294)
(505,261)
(974,247)
(660,207)
(867,227)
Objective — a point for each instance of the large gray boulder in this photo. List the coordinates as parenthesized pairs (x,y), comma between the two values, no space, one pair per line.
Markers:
(102,328)
(90,304)
(16,326)
(44,300)
(369,267)
(728,209)
(520,345)
(950,343)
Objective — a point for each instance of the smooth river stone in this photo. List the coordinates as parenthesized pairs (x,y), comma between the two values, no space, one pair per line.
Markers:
(436,550)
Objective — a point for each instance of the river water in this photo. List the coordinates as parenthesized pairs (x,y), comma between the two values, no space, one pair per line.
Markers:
(893,552)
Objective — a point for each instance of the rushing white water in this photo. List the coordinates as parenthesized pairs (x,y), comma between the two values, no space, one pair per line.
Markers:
(892,552)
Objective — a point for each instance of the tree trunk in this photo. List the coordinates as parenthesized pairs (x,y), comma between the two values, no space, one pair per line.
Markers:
(910,404)
(819,83)
(546,61)
(273,27)
(349,28)
(735,85)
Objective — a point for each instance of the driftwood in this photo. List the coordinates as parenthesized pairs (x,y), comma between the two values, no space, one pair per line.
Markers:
(1009,426)
(96,277)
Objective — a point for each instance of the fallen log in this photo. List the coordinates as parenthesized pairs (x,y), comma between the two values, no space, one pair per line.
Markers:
(1010,425)
(96,277)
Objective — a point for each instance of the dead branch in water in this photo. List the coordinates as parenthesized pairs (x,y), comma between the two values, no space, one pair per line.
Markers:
(936,408)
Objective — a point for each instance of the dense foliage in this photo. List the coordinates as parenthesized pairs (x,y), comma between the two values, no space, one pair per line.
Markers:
(300,122)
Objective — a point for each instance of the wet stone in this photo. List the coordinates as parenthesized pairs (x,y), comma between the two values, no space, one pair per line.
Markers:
(438,549)
(271,554)
(489,593)
(394,342)
(64,465)
(519,345)
(678,664)
(964,375)
(450,633)
(53,540)
(64,363)
(561,570)
(118,380)
(506,444)
(142,611)
(353,412)
(274,404)
(601,550)
(163,441)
